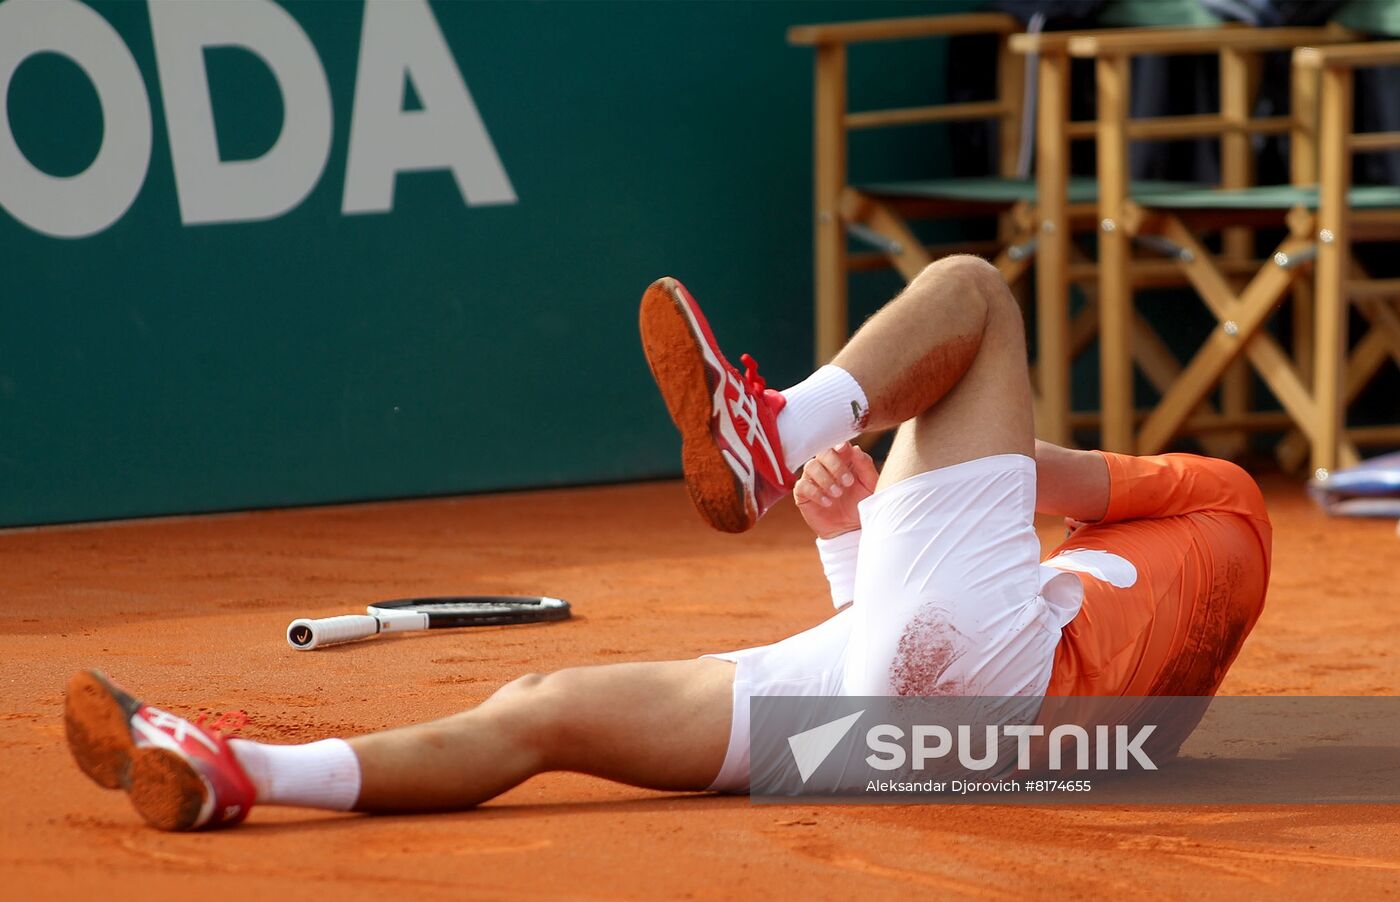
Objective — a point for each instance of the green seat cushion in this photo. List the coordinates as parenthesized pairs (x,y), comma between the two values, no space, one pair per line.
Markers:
(1268,197)
(1371,16)
(996,190)
(1142,13)
(1156,194)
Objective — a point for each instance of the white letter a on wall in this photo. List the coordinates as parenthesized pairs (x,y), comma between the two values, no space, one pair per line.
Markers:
(401,39)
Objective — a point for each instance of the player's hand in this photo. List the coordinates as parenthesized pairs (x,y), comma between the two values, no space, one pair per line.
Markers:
(830,487)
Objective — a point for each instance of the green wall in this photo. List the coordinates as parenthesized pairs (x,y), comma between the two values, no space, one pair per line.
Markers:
(156,367)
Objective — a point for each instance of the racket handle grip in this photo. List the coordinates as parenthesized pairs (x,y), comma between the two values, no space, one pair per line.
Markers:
(305,634)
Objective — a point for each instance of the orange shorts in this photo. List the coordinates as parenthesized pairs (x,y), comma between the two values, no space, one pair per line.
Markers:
(1196,530)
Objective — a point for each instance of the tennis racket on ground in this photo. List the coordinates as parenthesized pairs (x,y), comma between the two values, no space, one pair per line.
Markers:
(409,614)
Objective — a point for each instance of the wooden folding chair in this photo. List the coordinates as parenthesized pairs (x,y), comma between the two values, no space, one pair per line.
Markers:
(1346,215)
(1167,225)
(1037,217)
(1067,206)
(841,209)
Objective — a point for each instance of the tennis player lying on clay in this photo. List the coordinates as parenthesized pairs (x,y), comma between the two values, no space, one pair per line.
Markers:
(934,568)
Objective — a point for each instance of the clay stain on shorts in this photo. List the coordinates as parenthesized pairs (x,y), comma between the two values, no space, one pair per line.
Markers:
(927,650)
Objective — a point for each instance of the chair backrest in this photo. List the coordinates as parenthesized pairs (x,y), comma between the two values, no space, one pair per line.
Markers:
(1326,73)
(1370,17)
(1050,51)
(834,121)
(1238,49)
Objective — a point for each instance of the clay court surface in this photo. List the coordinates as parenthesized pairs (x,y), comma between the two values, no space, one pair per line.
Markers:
(190,612)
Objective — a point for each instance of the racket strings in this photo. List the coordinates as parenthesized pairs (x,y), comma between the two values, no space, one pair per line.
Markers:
(467,608)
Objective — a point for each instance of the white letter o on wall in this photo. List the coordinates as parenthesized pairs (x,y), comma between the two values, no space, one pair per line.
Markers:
(86,203)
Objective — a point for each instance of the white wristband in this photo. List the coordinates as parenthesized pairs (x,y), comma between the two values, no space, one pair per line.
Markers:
(839,557)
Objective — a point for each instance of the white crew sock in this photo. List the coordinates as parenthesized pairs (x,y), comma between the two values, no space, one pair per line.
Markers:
(323,774)
(823,410)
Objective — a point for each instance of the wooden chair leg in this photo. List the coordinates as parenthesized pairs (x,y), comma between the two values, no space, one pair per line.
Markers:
(1115,280)
(1302,163)
(1366,358)
(1333,253)
(832,327)
(1328,378)
(1379,344)
(1053,355)
(1236,171)
(1083,329)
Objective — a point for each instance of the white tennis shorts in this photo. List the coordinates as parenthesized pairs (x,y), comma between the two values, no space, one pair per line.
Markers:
(950,599)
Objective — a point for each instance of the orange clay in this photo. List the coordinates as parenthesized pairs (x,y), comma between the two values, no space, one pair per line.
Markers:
(191,613)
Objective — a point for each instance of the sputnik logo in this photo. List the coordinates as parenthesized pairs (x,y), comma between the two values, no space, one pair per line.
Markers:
(811,747)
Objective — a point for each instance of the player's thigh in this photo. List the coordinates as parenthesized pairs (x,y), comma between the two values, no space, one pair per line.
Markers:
(662,724)
(989,411)
(947,589)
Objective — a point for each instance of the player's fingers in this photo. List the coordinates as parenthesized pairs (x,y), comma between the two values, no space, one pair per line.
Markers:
(837,461)
(863,465)
(817,472)
(808,492)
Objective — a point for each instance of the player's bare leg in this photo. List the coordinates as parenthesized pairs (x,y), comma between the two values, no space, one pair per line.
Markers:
(1070,483)
(661,725)
(946,362)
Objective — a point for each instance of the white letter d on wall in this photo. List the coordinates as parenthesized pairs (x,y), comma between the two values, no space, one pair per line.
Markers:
(210,189)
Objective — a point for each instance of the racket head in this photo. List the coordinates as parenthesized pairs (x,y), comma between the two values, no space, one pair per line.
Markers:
(452,611)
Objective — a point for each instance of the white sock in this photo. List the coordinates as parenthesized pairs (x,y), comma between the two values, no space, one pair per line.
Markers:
(823,410)
(323,774)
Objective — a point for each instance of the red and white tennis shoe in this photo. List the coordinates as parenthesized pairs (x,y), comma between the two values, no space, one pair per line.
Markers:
(179,775)
(730,450)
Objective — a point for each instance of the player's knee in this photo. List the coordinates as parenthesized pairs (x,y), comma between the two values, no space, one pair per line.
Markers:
(966,269)
(981,283)
(986,279)
(540,706)
(519,684)
(1005,328)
